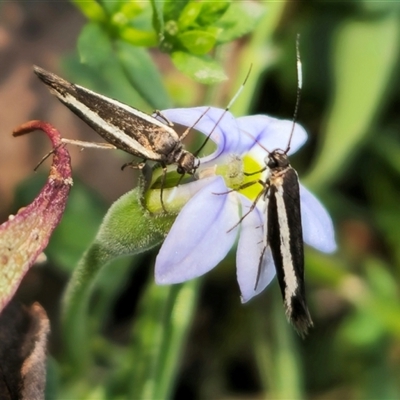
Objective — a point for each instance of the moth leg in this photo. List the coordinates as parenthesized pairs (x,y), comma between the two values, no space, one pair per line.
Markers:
(163,179)
(253,206)
(158,113)
(260,265)
(182,176)
(255,172)
(46,156)
(134,165)
(244,186)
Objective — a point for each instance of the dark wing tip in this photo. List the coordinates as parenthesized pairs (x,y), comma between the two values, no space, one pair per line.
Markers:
(57,85)
(299,316)
(42,74)
(302,323)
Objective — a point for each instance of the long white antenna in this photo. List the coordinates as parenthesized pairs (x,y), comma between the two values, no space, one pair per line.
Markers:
(299,86)
(225,111)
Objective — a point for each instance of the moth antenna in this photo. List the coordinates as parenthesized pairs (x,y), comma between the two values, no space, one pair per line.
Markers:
(225,111)
(299,86)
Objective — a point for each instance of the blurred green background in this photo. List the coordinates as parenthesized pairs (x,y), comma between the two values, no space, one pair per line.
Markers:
(350,106)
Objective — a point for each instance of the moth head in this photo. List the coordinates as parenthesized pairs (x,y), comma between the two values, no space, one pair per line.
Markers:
(187,163)
(277,159)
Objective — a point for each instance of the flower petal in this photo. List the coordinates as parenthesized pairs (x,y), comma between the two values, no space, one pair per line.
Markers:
(225,133)
(24,236)
(199,238)
(250,246)
(318,229)
(271,133)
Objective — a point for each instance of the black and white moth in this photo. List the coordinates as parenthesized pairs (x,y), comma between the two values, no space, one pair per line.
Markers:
(124,127)
(284,236)
(283,228)
(283,232)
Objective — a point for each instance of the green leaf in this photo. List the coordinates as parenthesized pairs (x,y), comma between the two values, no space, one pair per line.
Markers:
(138,37)
(173,9)
(198,42)
(133,9)
(364,55)
(94,45)
(91,9)
(134,15)
(111,7)
(201,69)
(212,11)
(189,15)
(158,16)
(142,74)
(239,19)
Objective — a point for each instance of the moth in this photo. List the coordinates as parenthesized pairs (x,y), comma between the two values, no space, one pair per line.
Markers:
(127,128)
(122,126)
(284,236)
(283,232)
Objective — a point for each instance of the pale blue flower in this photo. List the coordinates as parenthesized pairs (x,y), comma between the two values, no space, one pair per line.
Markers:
(206,228)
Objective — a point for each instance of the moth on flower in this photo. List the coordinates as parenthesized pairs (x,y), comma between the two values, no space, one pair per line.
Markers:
(207,226)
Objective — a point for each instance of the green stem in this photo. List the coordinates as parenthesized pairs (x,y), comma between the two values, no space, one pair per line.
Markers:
(276,354)
(160,331)
(288,377)
(75,306)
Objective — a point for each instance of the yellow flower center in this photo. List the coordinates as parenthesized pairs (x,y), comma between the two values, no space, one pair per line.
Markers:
(242,175)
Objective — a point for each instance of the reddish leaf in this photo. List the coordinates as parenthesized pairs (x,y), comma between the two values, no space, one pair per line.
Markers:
(24,236)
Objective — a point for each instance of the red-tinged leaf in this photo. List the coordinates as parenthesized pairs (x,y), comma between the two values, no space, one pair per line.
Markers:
(24,236)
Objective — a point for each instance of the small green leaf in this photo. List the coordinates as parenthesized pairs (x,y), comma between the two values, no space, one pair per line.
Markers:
(189,15)
(202,69)
(138,37)
(94,45)
(143,75)
(158,17)
(239,19)
(133,9)
(136,15)
(198,42)
(173,9)
(91,9)
(212,11)
(110,7)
